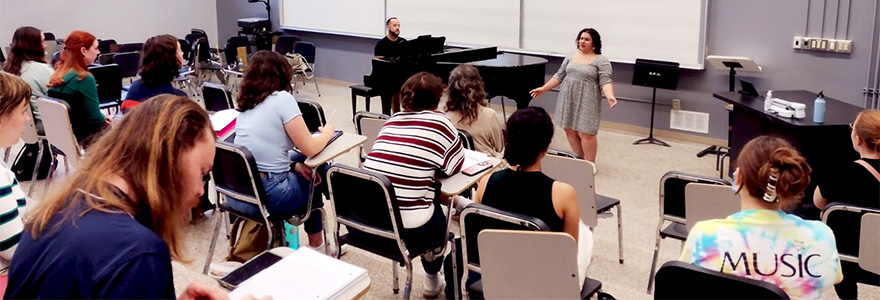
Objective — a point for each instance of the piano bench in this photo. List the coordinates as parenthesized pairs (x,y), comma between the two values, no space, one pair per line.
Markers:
(363,91)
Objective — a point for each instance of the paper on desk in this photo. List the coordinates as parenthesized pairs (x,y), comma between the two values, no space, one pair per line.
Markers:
(304,274)
(472,158)
(222,118)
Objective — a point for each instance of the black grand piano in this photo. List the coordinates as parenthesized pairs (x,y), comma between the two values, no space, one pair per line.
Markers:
(504,74)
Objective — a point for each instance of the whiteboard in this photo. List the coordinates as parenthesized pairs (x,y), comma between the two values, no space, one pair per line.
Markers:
(349,17)
(669,30)
(462,22)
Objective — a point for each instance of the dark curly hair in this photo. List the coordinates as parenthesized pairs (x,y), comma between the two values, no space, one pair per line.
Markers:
(466,93)
(159,64)
(26,45)
(420,92)
(267,72)
(529,131)
(594,35)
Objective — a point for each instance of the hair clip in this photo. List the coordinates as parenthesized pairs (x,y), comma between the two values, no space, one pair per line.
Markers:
(770,193)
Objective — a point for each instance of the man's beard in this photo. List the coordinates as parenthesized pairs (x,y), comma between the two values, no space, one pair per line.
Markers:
(394,34)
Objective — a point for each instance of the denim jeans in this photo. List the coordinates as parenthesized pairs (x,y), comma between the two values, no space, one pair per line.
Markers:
(287,192)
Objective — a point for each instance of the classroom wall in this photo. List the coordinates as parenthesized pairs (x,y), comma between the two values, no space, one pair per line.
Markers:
(126,21)
(761,30)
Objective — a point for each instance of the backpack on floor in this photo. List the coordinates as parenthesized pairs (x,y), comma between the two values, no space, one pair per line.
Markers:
(23,167)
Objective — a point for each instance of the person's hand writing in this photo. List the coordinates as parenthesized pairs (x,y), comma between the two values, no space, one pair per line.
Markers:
(537,92)
(612,101)
(198,290)
(328,128)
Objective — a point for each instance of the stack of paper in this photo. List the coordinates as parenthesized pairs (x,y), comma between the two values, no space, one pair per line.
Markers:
(472,158)
(306,274)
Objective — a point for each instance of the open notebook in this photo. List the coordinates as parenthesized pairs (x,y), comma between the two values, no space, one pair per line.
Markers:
(306,274)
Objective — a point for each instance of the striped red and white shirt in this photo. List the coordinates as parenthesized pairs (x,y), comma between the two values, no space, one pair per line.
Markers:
(12,208)
(410,149)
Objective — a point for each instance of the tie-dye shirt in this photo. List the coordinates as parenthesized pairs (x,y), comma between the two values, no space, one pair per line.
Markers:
(797,255)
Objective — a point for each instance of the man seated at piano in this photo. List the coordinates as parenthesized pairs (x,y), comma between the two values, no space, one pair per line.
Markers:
(389,46)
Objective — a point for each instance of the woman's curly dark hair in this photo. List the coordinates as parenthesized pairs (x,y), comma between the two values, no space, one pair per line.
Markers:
(529,131)
(594,35)
(159,64)
(267,72)
(466,93)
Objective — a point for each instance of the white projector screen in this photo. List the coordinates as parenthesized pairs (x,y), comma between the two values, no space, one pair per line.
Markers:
(462,22)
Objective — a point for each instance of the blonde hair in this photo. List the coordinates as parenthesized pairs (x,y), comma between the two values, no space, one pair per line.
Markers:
(466,93)
(145,150)
(867,128)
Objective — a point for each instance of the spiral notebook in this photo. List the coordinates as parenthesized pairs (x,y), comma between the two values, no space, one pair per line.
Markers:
(306,274)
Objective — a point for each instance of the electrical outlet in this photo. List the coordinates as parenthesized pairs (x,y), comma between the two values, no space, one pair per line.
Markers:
(832,46)
(814,44)
(676,104)
(823,44)
(798,42)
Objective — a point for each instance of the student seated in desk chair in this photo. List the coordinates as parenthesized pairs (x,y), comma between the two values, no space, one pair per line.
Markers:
(524,189)
(411,148)
(467,108)
(160,65)
(762,241)
(856,183)
(110,229)
(270,125)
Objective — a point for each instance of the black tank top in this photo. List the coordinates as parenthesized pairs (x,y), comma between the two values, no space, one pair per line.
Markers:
(526,193)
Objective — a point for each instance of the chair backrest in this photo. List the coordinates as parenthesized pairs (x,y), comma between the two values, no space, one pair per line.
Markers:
(201,50)
(186,47)
(104,45)
(845,220)
(55,57)
(672,186)
(56,122)
(708,201)
(467,141)
(369,124)
(216,96)
(528,265)
(30,134)
(131,47)
(869,243)
(109,81)
(680,280)
(477,217)
(106,58)
(313,114)
(130,62)
(364,201)
(307,49)
(286,43)
(236,175)
(49,36)
(579,174)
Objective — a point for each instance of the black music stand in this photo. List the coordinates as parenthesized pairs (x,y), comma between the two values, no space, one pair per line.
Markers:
(655,74)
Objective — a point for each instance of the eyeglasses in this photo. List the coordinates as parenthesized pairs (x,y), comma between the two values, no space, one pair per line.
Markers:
(206,177)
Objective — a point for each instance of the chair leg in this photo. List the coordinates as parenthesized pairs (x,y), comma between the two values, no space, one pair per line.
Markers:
(619,234)
(315,78)
(395,278)
(353,103)
(52,166)
(219,217)
(271,232)
(653,264)
(407,289)
(36,167)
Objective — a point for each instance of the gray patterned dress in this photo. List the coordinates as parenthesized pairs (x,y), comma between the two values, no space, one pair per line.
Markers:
(578,105)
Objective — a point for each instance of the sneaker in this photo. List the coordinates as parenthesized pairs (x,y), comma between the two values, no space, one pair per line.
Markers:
(433,286)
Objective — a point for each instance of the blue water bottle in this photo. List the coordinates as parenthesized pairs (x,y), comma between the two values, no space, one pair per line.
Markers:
(819,109)
(291,235)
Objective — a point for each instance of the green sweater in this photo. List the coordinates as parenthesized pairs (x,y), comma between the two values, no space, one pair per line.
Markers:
(86,117)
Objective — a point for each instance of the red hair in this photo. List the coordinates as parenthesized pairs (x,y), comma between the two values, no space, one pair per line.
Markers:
(72,57)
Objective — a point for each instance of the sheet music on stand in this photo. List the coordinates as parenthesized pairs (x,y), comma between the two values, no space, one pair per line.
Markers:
(306,274)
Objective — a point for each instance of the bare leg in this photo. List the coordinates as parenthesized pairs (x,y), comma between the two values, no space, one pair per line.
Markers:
(575,141)
(590,145)
(316,239)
